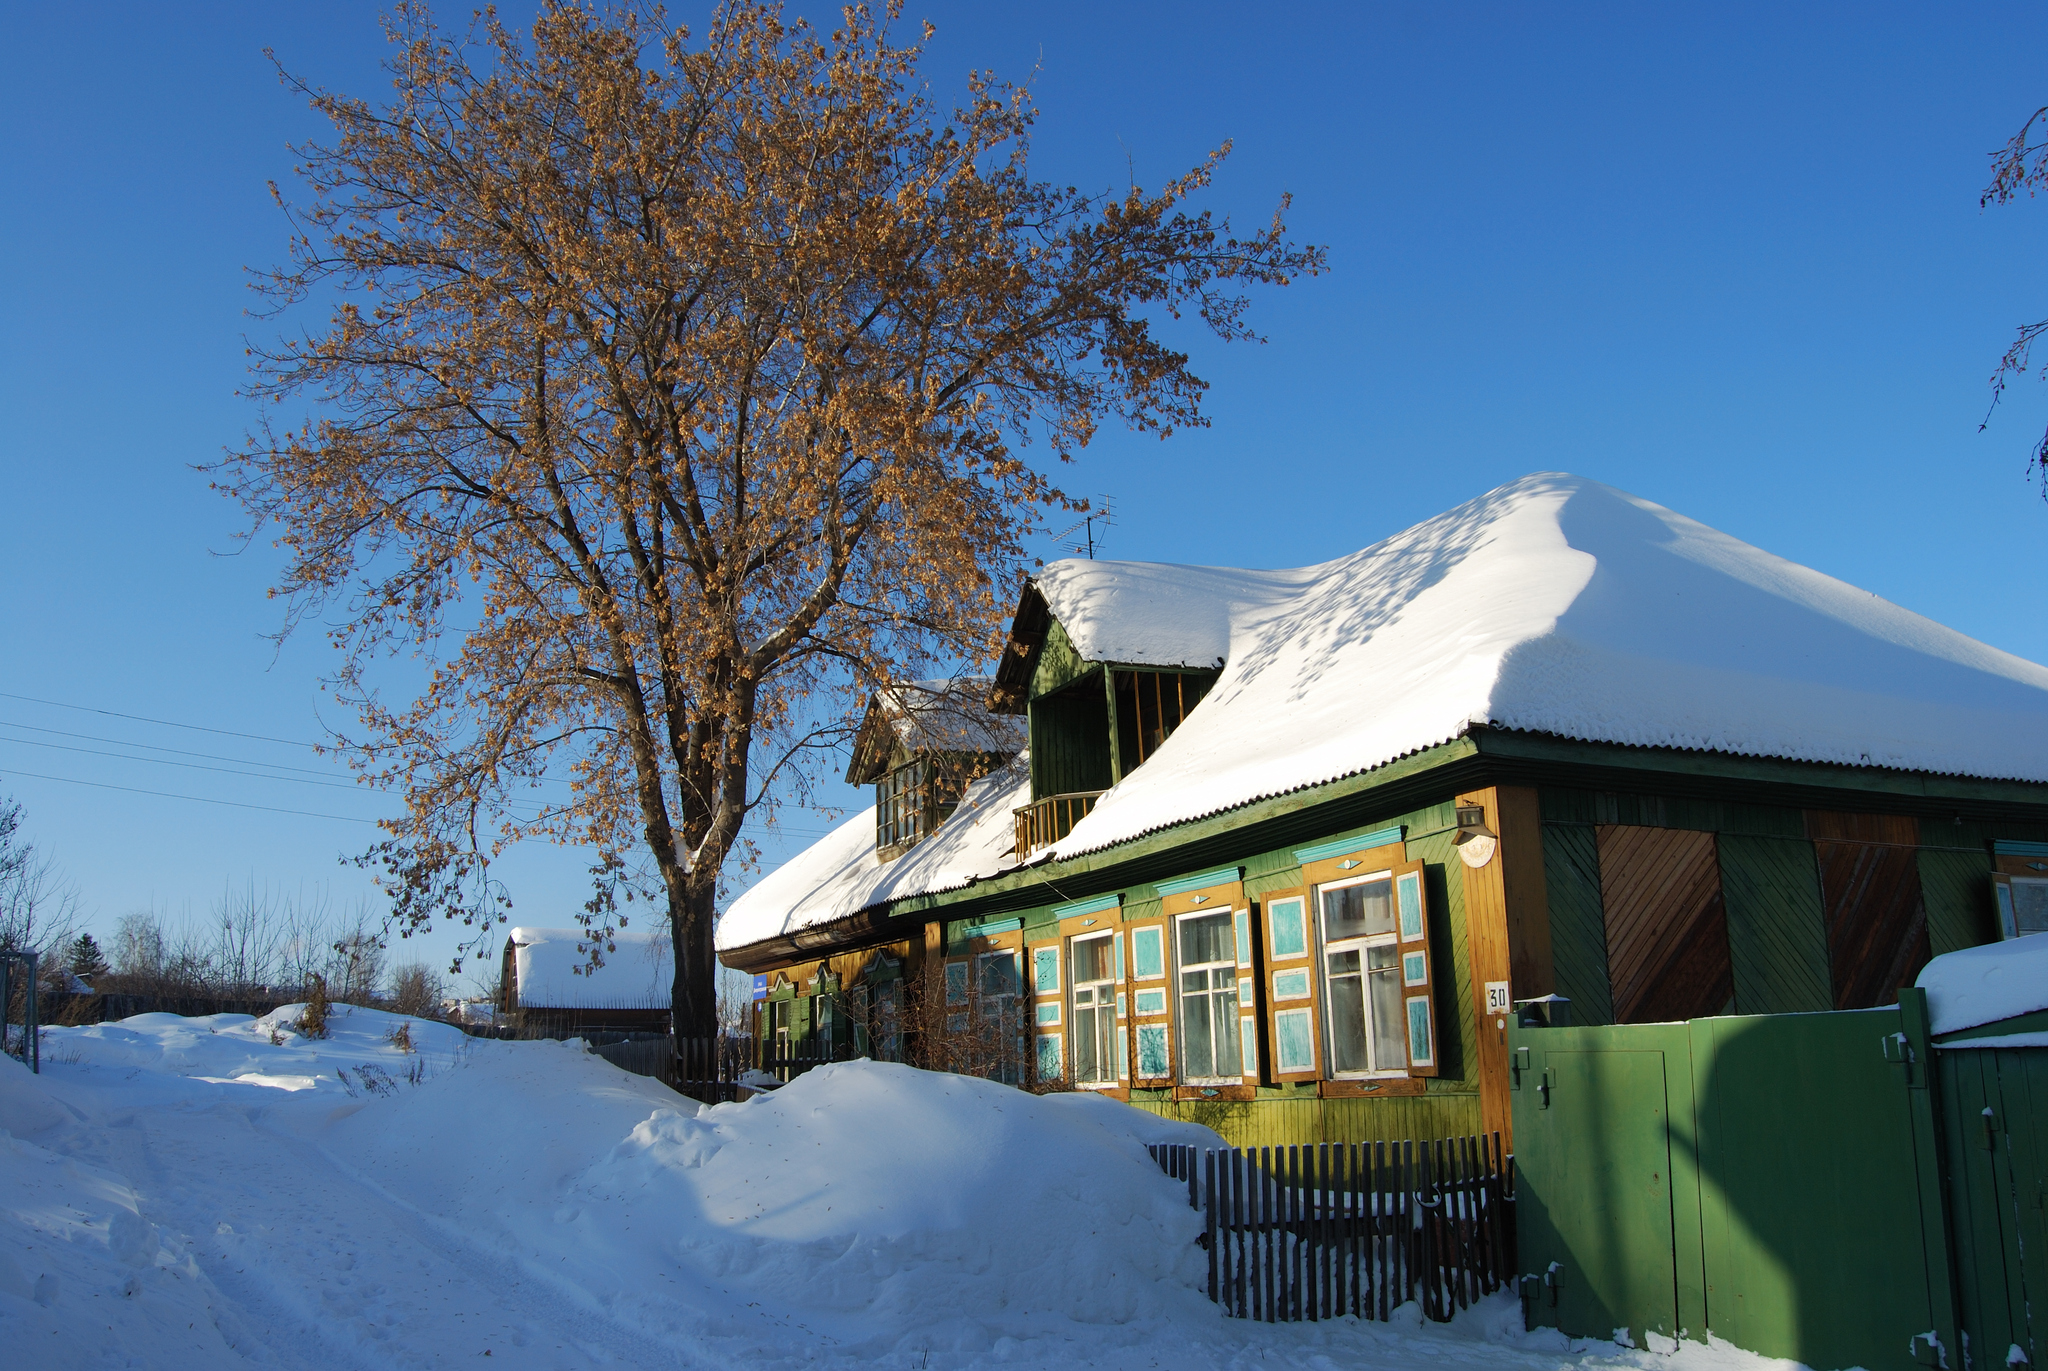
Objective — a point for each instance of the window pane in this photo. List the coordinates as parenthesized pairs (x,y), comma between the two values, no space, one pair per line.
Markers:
(956,983)
(1091,961)
(1207,939)
(2029,905)
(1223,1031)
(1347,1023)
(1197,1041)
(999,974)
(1088,1062)
(1389,1046)
(1357,911)
(1289,938)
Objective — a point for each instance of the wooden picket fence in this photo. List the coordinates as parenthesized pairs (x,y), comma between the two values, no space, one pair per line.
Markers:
(787,1061)
(1329,1229)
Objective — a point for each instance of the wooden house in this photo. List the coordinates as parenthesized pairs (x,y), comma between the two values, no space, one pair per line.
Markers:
(1285,848)
(547,984)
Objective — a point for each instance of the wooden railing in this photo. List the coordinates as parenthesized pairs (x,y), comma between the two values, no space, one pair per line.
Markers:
(1330,1229)
(1044,822)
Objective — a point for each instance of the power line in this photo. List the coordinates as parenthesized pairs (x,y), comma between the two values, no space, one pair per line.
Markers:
(167,723)
(159,747)
(200,799)
(194,766)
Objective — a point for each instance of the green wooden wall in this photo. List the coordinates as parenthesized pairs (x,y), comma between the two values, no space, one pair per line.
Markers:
(1578,933)
(1070,740)
(1777,930)
(1303,1118)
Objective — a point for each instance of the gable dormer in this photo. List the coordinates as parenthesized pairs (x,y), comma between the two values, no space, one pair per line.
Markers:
(921,744)
(1091,721)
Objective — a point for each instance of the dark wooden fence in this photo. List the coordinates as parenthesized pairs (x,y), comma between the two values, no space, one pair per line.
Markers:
(1328,1229)
(786,1061)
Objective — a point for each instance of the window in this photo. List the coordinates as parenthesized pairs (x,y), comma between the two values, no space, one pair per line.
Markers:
(778,1023)
(899,806)
(1095,1054)
(1209,1041)
(956,997)
(1362,977)
(888,1021)
(998,984)
(2022,905)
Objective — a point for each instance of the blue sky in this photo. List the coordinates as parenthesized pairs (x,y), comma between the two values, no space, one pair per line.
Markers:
(1728,258)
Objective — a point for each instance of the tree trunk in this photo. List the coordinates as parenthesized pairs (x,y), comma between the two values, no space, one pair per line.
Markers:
(694,995)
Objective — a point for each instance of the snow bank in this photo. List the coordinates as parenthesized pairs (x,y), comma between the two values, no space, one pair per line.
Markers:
(1980,985)
(186,1195)
(553,970)
(890,1209)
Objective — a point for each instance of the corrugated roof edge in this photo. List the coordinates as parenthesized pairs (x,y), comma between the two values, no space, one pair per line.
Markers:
(870,911)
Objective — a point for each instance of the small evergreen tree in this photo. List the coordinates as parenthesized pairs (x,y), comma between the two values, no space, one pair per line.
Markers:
(313,1018)
(85,958)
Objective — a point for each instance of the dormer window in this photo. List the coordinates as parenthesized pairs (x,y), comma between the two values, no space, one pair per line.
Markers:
(921,745)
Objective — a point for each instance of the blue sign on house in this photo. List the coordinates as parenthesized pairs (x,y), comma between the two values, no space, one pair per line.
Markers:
(760,987)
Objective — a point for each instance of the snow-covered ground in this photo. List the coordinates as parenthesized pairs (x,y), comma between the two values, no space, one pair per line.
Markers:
(200,1193)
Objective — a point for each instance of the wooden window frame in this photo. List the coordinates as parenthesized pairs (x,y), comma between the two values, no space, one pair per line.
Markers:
(1363,944)
(1179,995)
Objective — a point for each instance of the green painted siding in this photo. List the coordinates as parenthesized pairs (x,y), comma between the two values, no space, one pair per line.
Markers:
(1070,741)
(1058,664)
(1955,880)
(1303,1118)
(1564,805)
(1578,929)
(1777,932)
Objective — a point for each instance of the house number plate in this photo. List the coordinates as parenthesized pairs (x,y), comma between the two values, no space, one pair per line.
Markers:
(1497,997)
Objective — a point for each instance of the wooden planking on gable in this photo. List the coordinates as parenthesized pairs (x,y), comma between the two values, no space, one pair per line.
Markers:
(1578,936)
(1667,927)
(1955,881)
(1777,927)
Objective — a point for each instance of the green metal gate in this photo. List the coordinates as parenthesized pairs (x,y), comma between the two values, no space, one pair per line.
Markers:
(1771,1180)
(1996,1134)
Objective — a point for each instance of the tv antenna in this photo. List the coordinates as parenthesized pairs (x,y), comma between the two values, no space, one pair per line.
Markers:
(1090,531)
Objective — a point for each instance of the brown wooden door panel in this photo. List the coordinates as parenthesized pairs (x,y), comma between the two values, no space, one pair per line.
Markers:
(1877,920)
(1667,928)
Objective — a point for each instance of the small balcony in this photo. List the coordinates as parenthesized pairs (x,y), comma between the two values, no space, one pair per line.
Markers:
(1044,822)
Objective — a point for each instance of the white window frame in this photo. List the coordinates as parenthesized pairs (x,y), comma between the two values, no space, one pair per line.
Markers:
(1108,1000)
(1221,977)
(1323,948)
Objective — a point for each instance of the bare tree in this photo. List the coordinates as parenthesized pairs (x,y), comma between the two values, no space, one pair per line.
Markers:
(674,396)
(2018,169)
(39,909)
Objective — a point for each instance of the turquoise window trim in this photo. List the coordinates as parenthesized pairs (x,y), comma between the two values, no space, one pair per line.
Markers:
(1099,905)
(2009,847)
(1384,837)
(990,928)
(1227,875)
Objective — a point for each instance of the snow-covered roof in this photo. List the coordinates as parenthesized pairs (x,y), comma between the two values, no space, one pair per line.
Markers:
(1980,985)
(554,974)
(931,716)
(1553,604)
(840,874)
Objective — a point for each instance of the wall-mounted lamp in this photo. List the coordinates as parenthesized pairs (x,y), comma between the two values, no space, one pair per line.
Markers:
(1475,841)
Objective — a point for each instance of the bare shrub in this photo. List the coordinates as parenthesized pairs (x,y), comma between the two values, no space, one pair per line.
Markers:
(417,989)
(401,1038)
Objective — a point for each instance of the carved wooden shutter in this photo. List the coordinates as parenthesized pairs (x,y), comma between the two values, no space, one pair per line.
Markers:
(1418,986)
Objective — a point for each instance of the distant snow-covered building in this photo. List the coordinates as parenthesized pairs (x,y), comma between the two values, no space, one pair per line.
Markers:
(549,980)
(1279,849)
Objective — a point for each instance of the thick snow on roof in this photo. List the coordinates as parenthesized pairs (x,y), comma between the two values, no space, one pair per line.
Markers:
(553,974)
(1981,985)
(839,875)
(1553,604)
(949,716)
(1559,605)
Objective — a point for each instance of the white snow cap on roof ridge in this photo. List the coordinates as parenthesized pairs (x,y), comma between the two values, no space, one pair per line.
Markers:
(1553,604)
(1980,985)
(554,974)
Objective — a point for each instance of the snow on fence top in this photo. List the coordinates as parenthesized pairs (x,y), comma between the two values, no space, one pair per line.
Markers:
(547,962)
(1553,604)
(1981,985)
